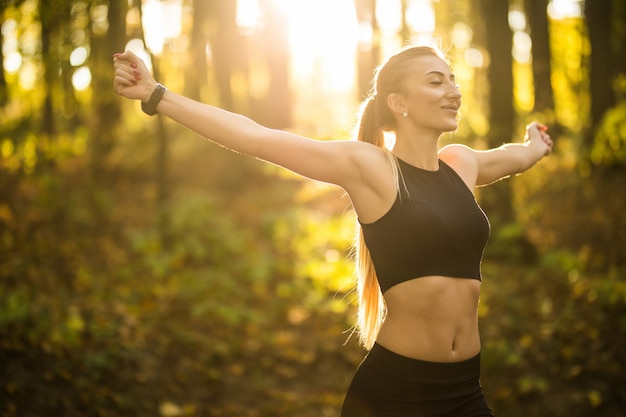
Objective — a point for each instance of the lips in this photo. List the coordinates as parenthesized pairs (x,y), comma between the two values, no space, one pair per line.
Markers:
(452,107)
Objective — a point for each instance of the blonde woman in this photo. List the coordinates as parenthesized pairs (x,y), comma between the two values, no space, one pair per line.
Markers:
(422,232)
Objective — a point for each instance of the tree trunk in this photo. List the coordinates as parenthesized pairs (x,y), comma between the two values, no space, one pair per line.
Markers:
(227,48)
(497,200)
(405,30)
(275,109)
(106,111)
(368,54)
(48,19)
(619,32)
(4,91)
(598,18)
(499,42)
(536,10)
(196,81)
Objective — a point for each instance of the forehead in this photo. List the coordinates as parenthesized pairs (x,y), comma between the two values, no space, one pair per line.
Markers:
(429,64)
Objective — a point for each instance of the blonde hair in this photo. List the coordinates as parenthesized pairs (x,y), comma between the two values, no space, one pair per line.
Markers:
(375,118)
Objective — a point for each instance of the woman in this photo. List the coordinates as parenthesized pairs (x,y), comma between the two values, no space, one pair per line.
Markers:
(422,233)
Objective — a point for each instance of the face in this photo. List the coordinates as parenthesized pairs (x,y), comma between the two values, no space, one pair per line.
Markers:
(431,96)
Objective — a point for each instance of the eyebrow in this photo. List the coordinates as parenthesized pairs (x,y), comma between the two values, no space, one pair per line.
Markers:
(452,76)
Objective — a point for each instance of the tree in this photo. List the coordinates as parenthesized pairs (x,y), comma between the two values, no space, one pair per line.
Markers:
(275,108)
(196,81)
(536,11)
(498,200)
(368,54)
(602,63)
(227,48)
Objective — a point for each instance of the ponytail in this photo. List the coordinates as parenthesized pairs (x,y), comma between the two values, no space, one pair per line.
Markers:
(371,304)
(369,128)
(371,308)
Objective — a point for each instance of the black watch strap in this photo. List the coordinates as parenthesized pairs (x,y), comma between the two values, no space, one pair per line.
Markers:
(150,107)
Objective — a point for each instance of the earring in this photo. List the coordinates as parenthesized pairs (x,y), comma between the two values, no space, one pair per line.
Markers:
(405,114)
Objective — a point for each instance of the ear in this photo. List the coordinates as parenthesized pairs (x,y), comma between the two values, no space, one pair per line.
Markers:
(396,103)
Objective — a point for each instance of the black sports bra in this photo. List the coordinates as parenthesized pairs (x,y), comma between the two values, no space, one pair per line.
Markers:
(437,228)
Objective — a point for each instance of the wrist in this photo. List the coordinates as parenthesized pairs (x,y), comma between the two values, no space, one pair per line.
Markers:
(149,106)
(537,152)
(147,91)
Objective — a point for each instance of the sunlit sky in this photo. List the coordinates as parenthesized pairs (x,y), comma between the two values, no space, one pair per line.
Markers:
(318,51)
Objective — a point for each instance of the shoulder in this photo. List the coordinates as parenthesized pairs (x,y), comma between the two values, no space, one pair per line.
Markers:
(457,153)
(369,159)
(463,160)
(373,190)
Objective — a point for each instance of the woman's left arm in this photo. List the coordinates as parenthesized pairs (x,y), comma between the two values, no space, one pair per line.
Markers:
(486,167)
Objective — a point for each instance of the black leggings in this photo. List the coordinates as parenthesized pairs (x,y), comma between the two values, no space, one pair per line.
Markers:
(390,385)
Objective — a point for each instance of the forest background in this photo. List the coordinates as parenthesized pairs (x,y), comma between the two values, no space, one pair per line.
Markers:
(147,272)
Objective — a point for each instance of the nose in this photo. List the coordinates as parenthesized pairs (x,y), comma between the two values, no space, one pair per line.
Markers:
(454,91)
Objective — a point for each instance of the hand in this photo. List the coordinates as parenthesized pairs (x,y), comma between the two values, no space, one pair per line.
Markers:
(538,138)
(132,78)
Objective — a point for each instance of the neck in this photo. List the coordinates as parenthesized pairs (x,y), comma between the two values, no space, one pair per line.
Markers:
(418,149)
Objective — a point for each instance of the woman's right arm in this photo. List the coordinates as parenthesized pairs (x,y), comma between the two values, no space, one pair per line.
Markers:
(336,162)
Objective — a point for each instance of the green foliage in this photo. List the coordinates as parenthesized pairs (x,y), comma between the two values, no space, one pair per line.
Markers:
(553,338)
(570,79)
(562,209)
(120,321)
(609,145)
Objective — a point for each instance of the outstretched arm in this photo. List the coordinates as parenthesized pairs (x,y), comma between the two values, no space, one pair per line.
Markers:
(334,162)
(485,167)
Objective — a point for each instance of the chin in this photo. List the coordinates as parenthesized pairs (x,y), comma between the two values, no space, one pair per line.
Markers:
(450,127)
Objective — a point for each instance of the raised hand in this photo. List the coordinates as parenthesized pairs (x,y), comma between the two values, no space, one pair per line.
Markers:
(537,135)
(132,78)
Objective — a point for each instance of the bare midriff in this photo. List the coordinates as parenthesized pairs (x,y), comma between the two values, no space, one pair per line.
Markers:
(433,319)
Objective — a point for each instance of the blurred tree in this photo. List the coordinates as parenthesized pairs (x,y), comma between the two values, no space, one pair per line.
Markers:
(536,11)
(162,156)
(196,81)
(602,65)
(228,50)
(4,94)
(52,17)
(405,29)
(604,147)
(508,241)
(619,40)
(499,42)
(106,34)
(605,139)
(369,46)
(275,109)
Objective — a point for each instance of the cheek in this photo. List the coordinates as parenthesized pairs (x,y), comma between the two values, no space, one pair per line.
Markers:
(428,98)
(426,104)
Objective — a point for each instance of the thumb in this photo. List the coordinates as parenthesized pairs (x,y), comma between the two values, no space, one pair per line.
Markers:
(128,55)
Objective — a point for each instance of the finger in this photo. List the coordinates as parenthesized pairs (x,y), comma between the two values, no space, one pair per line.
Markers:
(123,81)
(137,72)
(123,73)
(550,145)
(129,61)
(536,125)
(124,64)
(128,55)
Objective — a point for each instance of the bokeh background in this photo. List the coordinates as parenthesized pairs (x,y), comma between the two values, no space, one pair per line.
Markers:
(147,272)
